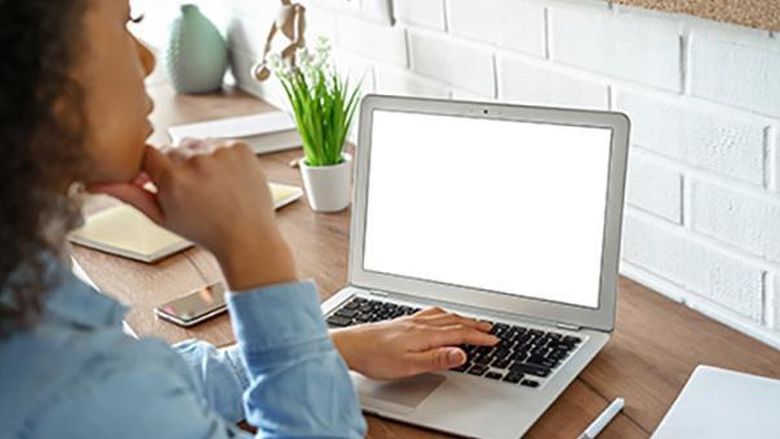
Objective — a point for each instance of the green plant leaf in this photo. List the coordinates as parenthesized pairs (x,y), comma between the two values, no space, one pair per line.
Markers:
(324,107)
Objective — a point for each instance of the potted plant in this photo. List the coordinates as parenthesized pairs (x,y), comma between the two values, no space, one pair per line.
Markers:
(324,107)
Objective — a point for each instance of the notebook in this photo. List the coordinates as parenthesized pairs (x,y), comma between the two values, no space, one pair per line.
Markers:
(124,231)
(720,404)
(265,132)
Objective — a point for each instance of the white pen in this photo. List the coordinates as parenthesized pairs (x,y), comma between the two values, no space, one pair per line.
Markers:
(603,419)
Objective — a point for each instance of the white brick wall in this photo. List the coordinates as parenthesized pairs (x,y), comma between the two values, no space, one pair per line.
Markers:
(425,13)
(700,269)
(654,188)
(703,191)
(639,48)
(372,40)
(773,313)
(716,139)
(716,61)
(449,60)
(741,219)
(401,82)
(529,82)
(508,23)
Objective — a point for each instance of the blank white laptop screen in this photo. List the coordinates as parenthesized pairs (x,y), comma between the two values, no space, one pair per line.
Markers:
(506,206)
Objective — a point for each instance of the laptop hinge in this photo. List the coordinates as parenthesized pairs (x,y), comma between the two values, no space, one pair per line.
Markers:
(377,293)
(568,327)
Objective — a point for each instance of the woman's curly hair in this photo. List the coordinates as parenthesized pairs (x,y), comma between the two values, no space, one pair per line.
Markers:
(41,146)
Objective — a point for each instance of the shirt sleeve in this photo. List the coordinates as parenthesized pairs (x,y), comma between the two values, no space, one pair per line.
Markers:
(220,374)
(299,385)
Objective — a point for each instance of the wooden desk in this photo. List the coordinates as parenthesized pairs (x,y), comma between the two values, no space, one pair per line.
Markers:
(655,347)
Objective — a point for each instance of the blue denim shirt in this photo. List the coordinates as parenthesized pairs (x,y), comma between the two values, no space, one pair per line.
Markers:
(77,375)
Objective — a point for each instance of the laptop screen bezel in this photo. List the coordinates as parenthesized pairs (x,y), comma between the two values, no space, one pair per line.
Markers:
(602,317)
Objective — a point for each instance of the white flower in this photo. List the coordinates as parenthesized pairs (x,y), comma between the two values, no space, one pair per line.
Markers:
(279,66)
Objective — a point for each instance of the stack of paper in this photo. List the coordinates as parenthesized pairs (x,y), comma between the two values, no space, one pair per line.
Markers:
(264,132)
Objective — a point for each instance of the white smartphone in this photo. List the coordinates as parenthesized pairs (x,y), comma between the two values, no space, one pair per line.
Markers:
(195,307)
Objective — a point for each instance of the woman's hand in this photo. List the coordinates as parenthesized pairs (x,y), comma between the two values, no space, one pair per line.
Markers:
(424,342)
(214,195)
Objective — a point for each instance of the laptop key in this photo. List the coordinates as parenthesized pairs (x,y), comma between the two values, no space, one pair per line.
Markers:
(478,369)
(493,375)
(518,357)
(484,350)
(482,359)
(530,383)
(513,377)
(352,305)
(504,345)
(339,321)
(348,313)
(558,354)
(501,353)
(531,369)
(541,363)
(569,339)
(502,363)
(462,368)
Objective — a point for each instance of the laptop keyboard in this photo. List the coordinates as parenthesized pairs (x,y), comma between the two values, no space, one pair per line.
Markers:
(524,356)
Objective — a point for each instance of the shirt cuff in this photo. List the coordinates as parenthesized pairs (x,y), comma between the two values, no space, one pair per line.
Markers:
(278,322)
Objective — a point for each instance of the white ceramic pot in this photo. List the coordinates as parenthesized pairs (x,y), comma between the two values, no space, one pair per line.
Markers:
(327,187)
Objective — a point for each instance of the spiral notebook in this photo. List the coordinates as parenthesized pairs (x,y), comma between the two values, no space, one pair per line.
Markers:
(124,231)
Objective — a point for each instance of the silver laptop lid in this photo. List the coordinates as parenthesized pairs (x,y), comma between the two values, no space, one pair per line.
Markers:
(511,208)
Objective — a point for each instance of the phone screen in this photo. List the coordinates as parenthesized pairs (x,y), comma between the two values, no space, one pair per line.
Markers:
(197,303)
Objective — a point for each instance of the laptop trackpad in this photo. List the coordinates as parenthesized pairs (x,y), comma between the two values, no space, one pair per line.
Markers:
(402,395)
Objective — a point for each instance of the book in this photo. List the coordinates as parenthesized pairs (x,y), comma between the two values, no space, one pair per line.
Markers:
(124,231)
(265,132)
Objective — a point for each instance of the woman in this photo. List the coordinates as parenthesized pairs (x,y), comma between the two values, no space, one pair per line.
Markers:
(73,109)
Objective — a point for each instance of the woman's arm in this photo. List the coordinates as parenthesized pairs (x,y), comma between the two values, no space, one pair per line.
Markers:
(217,196)
(141,388)
(423,342)
(292,365)
(221,376)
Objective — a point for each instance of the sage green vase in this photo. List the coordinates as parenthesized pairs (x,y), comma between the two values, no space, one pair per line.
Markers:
(197,55)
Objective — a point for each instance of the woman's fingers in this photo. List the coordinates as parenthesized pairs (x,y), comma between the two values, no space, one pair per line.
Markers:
(449,319)
(157,165)
(435,359)
(430,312)
(455,335)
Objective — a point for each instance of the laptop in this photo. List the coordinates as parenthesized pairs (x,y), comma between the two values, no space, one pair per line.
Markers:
(508,214)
